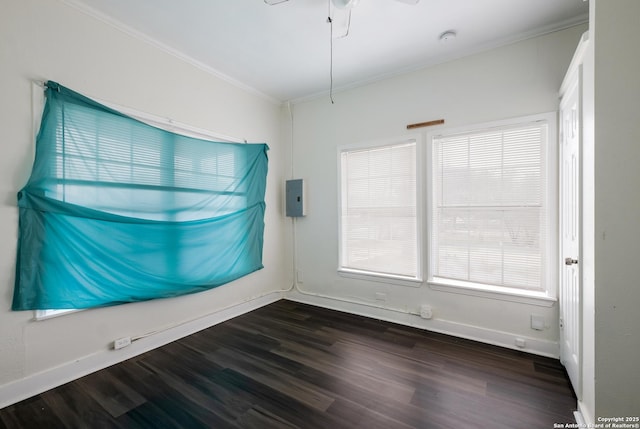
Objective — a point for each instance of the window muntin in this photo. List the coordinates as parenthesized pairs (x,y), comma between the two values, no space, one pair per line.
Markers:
(99,158)
(191,235)
(95,153)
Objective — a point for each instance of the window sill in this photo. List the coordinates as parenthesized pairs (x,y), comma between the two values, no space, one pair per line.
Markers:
(49,314)
(541,299)
(380,278)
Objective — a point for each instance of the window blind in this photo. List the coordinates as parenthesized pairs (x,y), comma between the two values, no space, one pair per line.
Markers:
(489,216)
(116,210)
(378,210)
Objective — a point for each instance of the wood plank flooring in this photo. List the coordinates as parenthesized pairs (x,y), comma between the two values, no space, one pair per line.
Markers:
(290,365)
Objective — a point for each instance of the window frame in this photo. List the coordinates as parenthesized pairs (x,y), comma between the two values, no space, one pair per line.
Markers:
(546,297)
(37,105)
(382,277)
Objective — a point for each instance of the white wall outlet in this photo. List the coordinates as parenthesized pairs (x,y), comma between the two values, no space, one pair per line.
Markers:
(299,276)
(521,343)
(121,343)
(537,322)
(381,296)
(426,312)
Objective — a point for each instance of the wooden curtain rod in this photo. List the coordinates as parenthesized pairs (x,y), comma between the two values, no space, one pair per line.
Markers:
(425,124)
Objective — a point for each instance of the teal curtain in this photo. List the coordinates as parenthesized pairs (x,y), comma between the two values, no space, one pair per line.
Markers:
(118,211)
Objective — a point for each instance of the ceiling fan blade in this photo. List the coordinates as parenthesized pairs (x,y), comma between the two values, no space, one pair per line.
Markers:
(345,4)
(407,1)
(273,2)
(340,23)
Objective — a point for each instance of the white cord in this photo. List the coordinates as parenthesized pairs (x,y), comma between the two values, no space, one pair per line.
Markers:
(330,21)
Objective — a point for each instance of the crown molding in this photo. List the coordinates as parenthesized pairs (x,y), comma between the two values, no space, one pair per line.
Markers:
(118,25)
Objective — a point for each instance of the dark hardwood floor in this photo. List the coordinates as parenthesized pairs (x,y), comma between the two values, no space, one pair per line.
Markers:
(292,365)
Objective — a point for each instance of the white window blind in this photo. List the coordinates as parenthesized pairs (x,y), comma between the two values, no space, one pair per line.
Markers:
(489,213)
(378,205)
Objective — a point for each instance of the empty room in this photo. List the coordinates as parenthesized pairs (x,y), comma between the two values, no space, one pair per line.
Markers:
(319,213)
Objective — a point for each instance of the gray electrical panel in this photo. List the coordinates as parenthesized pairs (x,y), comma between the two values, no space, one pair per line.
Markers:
(295,198)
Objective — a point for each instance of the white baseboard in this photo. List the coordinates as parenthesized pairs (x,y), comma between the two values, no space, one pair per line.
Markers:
(583,416)
(41,382)
(484,335)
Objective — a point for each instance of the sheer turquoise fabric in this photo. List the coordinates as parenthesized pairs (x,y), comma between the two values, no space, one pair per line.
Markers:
(118,211)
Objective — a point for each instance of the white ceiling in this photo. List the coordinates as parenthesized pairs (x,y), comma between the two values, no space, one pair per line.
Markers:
(284,51)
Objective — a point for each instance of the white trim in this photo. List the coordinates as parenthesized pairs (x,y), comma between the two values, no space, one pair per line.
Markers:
(575,64)
(380,278)
(569,331)
(118,25)
(549,117)
(547,29)
(38,99)
(493,292)
(389,141)
(37,383)
(584,414)
(551,164)
(489,336)
(164,123)
(168,124)
(48,314)
(495,44)
(418,140)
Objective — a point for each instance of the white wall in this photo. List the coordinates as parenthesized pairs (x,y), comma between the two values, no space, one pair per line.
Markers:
(511,81)
(45,39)
(616,38)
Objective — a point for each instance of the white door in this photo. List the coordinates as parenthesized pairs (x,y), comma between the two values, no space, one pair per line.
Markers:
(570,299)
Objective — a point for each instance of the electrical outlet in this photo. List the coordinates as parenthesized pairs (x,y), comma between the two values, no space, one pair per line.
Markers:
(521,343)
(537,322)
(121,343)
(381,296)
(299,276)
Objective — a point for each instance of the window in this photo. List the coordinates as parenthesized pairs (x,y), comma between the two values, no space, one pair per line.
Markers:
(378,220)
(117,211)
(98,160)
(491,209)
(112,163)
